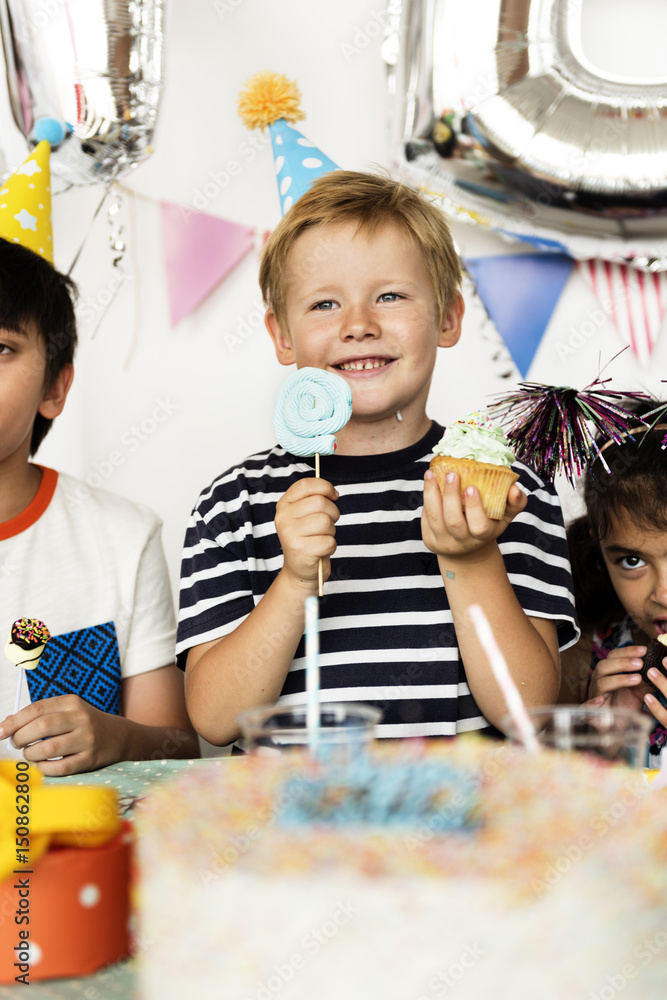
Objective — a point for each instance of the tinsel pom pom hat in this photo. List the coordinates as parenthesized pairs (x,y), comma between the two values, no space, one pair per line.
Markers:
(553,428)
(270,100)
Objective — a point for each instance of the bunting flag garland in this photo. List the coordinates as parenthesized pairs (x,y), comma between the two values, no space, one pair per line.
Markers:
(520,293)
(199,251)
(634,301)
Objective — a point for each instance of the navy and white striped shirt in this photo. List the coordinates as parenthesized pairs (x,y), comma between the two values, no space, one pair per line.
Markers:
(386,631)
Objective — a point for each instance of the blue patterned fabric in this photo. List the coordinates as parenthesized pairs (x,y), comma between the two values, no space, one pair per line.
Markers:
(85,662)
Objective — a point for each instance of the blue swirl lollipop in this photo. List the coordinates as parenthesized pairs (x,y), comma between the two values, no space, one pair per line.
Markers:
(312,406)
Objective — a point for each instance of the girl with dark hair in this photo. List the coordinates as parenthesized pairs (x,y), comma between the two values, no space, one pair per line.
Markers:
(618,552)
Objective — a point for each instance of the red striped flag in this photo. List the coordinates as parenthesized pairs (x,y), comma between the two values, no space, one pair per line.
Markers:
(634,300)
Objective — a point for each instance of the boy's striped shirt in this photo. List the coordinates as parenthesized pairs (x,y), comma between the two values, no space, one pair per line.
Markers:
(386,631)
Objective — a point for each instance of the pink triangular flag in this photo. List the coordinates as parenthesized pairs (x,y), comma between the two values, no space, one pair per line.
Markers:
(199,250)
(634,300)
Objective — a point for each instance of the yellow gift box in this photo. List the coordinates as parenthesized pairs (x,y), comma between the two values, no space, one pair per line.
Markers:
(64,877)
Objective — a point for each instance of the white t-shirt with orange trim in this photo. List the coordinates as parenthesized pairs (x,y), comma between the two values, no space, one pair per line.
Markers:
(77,558)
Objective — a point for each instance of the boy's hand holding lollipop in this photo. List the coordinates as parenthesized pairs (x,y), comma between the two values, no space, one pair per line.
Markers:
(312,406)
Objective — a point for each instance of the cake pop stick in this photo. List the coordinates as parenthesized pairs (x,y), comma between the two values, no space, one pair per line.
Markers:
(25,645)
(312,406)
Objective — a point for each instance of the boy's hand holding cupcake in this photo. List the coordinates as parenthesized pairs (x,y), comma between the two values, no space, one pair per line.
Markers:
(469,491)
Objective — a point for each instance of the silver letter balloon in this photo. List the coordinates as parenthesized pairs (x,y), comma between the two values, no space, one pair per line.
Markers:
(87,76)
(501,116)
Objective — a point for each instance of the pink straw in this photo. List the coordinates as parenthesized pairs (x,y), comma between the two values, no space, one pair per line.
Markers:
(514,701)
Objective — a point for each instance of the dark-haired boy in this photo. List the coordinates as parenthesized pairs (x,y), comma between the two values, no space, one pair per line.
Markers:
(94,572)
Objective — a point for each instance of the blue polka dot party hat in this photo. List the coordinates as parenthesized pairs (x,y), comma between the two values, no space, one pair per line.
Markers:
(271,101)
(25,204)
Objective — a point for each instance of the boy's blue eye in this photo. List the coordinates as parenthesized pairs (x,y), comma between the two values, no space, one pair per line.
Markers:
(631,562)
(324,306)
(390,297)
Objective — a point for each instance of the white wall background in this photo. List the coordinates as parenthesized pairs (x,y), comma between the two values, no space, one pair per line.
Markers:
(215,400)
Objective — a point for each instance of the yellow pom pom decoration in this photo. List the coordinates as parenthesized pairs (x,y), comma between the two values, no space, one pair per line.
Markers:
(267,97)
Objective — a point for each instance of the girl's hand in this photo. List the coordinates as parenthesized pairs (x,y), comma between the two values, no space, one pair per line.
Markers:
(305,521)
(617,679)
(453,527)
(65,727)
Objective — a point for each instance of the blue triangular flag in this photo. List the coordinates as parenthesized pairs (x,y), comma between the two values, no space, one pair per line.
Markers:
(520,293)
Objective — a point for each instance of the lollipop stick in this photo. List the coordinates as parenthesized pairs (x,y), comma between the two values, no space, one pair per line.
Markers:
(312,674)
(320,569)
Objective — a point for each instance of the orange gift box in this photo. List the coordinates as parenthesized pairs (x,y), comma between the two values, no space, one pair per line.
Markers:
(66,912)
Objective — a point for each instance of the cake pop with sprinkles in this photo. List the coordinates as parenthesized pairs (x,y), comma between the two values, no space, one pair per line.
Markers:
(24,647)
(26,642)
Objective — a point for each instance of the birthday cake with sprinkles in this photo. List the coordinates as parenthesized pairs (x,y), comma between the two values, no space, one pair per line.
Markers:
(403,874)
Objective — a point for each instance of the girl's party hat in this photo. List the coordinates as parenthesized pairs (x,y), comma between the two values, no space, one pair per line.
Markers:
(25,204)
(270,99)
(553,428)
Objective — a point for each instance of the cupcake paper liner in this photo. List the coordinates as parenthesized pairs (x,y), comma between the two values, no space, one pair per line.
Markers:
(492,481)
(655,654)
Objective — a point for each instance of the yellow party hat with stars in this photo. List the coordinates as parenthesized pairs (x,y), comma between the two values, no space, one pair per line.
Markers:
(25,204)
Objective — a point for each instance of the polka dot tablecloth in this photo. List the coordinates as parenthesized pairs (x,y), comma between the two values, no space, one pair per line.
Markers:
(132,780)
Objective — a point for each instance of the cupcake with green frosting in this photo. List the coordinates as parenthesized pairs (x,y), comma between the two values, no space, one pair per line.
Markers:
(478,452)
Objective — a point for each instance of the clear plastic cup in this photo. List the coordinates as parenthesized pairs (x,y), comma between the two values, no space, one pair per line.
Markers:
(344,728)
(615,734)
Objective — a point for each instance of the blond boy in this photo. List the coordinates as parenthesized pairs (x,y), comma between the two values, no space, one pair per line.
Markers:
(361,278)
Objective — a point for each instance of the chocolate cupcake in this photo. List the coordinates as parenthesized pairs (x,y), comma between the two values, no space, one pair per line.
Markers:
(655,653)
